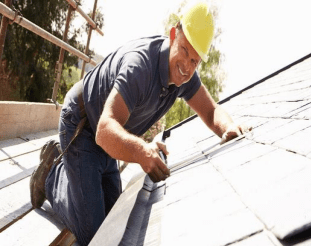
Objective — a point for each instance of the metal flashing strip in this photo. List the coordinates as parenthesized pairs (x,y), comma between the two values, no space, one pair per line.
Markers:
(198,156)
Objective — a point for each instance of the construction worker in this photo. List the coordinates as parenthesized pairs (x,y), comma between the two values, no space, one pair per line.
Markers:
(123,96)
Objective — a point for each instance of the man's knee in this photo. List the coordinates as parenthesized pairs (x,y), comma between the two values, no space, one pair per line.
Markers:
(85,235)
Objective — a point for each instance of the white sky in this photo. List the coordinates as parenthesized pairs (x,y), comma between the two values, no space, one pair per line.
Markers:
(259,36)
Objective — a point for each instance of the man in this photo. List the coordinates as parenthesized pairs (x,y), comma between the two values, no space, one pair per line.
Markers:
(122,97)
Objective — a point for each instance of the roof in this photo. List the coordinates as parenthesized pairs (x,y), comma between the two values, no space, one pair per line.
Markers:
(253,190)
(19,223)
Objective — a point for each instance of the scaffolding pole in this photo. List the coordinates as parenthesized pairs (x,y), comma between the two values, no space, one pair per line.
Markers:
(89,38)
(59,65)
(4,24)
(7,12)
(88,19)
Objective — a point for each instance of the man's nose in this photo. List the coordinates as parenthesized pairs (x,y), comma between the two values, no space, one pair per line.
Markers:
(187,65)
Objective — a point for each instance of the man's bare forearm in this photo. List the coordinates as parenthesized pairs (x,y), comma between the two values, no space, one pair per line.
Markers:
(122,145)
(220,121)
(119,143)
(210,112)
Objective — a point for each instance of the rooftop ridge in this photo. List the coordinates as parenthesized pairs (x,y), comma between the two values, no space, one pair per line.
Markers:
(265,78)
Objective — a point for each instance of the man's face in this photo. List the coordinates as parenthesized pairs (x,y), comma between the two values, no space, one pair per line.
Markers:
(183,59)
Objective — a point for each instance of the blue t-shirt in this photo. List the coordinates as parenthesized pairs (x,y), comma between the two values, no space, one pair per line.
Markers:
(139,70)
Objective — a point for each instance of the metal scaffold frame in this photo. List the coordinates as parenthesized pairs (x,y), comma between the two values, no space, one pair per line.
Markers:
(10,15)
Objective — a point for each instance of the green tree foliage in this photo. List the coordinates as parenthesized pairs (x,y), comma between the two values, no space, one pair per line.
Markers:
(178,112)
(70,75)
(154,130)
(210,72)
(30,59)
(99,19)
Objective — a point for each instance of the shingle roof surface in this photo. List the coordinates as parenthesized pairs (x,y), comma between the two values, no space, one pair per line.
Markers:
(254,190)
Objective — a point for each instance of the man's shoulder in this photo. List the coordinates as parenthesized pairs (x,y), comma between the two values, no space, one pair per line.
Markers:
(143,52)
(146,47)
(146,42)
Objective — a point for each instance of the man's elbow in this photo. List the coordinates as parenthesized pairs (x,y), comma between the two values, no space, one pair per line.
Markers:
(97,137)
(210,117)
(99,133)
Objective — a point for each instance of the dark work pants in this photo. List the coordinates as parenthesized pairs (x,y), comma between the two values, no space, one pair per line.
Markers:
(84,186)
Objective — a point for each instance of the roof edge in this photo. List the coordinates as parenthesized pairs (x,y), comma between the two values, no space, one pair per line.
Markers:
(265,78)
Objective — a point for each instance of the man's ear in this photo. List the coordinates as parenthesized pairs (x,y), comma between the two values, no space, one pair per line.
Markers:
(173,33)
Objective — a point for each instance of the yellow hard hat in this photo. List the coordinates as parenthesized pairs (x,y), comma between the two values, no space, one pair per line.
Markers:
(198,27)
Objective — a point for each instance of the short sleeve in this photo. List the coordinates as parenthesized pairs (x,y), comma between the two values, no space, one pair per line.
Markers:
(188,89)
(132,79)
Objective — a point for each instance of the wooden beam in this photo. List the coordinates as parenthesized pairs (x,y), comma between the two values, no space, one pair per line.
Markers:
(6,11)
(12,148)
(4,25)
(39,227)
(88,39)
(86,17)
(59,67)
(65,238)
(14,202)
(18,168)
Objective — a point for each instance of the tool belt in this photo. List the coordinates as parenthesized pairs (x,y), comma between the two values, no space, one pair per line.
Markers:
(79,86)
(82,122)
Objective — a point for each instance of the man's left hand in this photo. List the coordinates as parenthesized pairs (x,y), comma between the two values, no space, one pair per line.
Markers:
(234,131)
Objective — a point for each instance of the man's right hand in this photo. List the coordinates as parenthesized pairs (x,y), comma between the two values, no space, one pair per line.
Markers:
(122,145)
(153,165)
